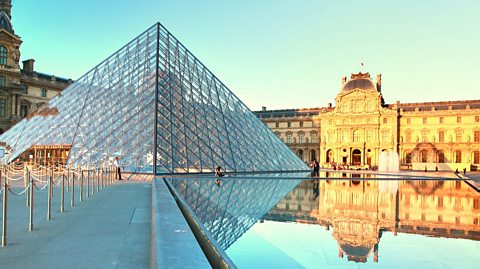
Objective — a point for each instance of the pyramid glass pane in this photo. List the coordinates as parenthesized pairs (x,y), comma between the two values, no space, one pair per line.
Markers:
(153,98)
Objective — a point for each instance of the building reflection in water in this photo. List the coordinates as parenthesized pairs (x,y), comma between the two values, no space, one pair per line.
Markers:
(360,211)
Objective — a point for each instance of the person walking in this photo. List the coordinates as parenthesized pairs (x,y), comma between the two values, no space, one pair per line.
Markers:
(316,168)
(117,166)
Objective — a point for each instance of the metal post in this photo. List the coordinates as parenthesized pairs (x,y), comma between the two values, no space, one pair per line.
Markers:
(30,223)
(93,182)
(98,179)
(49,198)
(68,178)
(62,198)
(81,184)
(88,183)
(25,184)
(4,211)
(72,196)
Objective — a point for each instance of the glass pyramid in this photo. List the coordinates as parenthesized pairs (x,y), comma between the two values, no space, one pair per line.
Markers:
(153,98)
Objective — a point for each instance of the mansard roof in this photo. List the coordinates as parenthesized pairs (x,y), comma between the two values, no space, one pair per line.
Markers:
(5,22)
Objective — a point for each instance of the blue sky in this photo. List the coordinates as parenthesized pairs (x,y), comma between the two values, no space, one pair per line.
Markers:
(276,53)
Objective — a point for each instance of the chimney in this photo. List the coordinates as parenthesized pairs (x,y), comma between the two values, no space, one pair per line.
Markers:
(379,82)
(344,80)
(28,66)
(264,108)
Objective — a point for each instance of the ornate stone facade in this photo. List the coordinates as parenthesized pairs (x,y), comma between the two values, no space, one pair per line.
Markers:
(22,90)
(431,135)
(297,128)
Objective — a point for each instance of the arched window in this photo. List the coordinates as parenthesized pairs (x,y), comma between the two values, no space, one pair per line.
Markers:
(408,157)
(313,155)
(458,156)
(423,156)
(441,157)
(356,136)
(300,154)
(3,55)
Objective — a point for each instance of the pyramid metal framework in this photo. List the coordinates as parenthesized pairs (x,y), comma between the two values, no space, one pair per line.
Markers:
(153,98)
(230,210)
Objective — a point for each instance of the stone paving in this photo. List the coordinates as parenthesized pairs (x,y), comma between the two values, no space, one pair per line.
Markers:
(110,229)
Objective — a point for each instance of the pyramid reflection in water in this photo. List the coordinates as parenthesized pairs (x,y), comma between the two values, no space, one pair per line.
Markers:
(112,110)
(228,210)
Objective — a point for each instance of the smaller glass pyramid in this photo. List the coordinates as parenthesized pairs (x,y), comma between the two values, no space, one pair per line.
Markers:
(158,108)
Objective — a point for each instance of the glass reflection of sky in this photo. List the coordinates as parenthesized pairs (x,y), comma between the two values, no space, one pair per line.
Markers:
(367,224)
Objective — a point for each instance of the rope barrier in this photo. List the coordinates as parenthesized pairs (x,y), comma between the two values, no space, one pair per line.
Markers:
(20,193)
(41,177)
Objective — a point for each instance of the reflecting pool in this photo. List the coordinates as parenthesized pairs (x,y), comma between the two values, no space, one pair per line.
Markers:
(270,222)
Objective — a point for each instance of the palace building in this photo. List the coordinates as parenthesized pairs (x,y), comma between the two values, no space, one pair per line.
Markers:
(428,135)
(22,89)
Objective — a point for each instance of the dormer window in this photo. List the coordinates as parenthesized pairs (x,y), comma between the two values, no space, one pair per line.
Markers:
(3,55)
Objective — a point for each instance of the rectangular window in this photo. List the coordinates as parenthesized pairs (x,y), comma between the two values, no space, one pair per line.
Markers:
(345,136)
(301,124)
(476,157)
(441,136)
(3,81)
(24,88)
(369,135)
(301,138)
(440,202)
(384,136)
(441,119)
(424,137)
(314,137)
(476,203)
(408,121)
(23,111)
(44,93)
(459,119)
(477,118)
(289,138)
(3,107)
(476,136)
(459,136)
(277,124)
(424,120)
(330,137)
(385,120)
(408,137)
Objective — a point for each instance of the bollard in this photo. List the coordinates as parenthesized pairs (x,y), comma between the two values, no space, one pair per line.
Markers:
(88,183)
(4,211)
(98,179)
(30,222)
(72,196)
(25,184)
(93,183)
(68,178)
(81,184)
(62,198)
(49,198)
